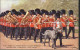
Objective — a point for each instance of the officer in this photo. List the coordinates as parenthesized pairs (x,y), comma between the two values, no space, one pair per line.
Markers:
(64,21)
(71,19)
(59,28)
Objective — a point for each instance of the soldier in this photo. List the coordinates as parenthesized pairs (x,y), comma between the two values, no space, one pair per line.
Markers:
(30,20)
(25,23)
(44,18)
(22,26)
(59,28)
(37,22)
(64,21)
(3,24)
(7,25)
(17,29)
(52,19)
(71,19)
(12,25)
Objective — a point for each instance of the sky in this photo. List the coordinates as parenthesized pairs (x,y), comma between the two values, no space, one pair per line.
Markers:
(6,4)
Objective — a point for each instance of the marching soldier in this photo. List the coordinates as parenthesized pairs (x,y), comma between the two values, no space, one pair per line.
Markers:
(3,24)
(7,25)
(31,24)
(52,19)
(64,21)
(37,22)
(12,25)
(59,28)
(44,18)
(25,23)
(21,25)
(72,19)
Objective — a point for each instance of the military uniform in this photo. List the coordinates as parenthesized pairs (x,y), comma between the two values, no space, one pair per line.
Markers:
(38,26)
(71,23)
(64,21)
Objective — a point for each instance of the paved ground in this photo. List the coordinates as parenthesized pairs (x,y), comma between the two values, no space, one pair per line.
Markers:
(7,43)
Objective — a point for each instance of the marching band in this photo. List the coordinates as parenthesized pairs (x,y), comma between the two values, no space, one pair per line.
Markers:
(35,22)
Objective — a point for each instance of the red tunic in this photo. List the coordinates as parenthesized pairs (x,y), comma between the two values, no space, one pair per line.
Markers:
(39,25)
(71,22)
(51,20)
(31,24)
(63,21)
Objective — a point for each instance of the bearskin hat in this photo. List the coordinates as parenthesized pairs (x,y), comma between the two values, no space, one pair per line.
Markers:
(63,11)
(46,12)
(13,11)
(37,11)
(33,12)
(70,12)
(57,15)
(43,11)
(7,12)
(58,12)
(22,11)
(53,12)
(18,13)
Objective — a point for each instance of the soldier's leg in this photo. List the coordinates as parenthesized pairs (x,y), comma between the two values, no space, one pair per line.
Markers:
(30,32)
(16,32)
(21,32)
(6,33)
(73,30)
(69,31)
(11,32)
(4,30)
(60,38)
(33,31)
(36,32)
(66,32)
(0,28)
(25,33)
(42,31)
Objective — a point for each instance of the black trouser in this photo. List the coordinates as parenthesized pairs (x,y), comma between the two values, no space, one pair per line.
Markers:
(12,32)
(65,29)
(59,35)
(73,30)
(0,28)
(8,30)
(17,30)
(26,32)
(37,31)
(21,32)
(4,30)
(31,31)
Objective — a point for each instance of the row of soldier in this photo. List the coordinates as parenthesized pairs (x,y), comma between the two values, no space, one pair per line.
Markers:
(35,22)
